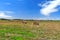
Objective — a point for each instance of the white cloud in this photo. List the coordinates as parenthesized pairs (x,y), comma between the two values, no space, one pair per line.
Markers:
(49,7)
(3,15)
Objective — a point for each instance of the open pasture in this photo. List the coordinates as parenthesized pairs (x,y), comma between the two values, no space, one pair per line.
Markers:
(29,30)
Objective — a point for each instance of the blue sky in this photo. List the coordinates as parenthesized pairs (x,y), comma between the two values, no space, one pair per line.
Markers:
(30,9)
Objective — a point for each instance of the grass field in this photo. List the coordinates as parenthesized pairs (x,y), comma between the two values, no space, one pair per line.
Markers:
(28,30)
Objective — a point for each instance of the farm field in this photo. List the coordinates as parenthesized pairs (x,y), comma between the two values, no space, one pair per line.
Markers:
(29,30)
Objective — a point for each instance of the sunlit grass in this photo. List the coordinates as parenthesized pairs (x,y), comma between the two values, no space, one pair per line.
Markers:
(20,31)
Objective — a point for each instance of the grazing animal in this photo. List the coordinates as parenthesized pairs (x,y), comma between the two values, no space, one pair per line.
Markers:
(35,23)
(24,22)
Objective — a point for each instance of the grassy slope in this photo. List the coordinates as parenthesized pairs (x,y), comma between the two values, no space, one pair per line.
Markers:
(46,30)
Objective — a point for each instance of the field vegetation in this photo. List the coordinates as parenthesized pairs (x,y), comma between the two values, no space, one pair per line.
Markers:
(29,30)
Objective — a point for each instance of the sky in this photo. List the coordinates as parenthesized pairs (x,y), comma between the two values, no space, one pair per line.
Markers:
(30,9)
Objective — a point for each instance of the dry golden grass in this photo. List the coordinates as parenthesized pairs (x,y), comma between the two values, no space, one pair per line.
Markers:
(31,30)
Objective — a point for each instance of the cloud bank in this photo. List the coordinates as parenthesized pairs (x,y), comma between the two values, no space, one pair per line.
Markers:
(49,7)
(3,14)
